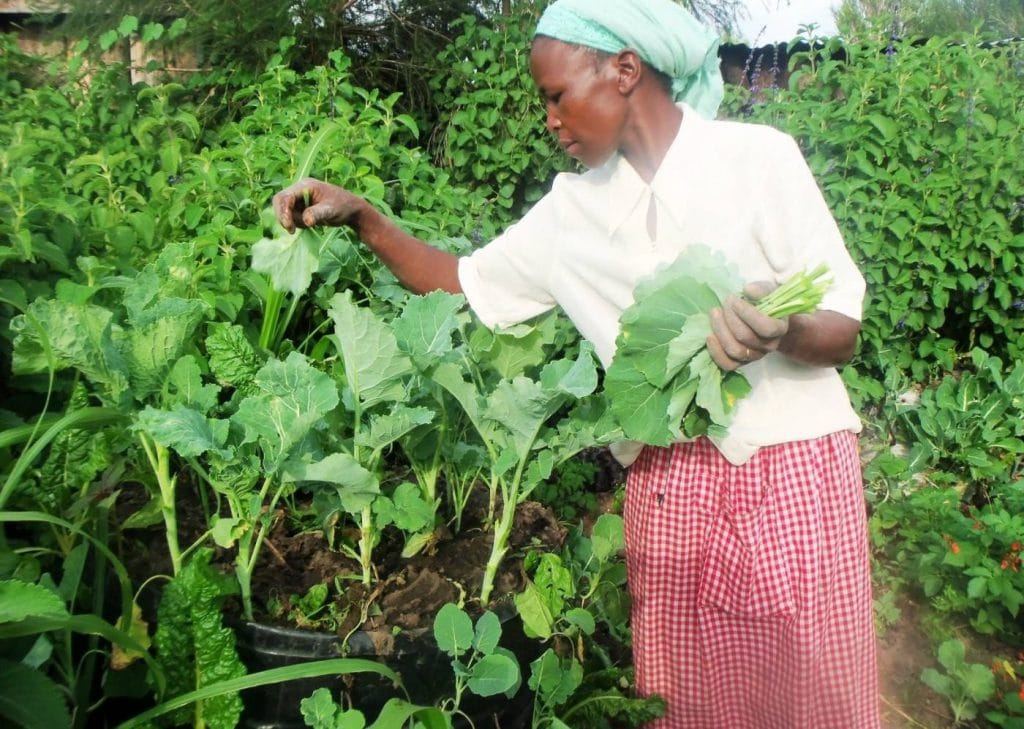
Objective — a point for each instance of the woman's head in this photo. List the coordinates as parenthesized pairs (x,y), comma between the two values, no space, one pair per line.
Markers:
(586,94)
(664,36)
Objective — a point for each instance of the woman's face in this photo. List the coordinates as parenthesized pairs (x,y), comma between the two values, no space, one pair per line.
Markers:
(581,91)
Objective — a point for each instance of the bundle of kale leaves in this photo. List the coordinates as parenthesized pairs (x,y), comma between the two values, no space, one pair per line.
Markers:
(662,384)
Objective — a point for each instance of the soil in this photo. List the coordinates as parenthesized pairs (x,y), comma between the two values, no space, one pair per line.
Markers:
(904,650)
(406,593)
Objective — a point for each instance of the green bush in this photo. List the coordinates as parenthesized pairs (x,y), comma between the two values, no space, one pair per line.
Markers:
(492,134)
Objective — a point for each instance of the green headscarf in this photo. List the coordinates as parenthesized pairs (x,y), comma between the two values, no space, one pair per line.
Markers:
(663,34)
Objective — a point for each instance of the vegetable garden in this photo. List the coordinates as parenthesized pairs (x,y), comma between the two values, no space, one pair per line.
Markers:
(211,427)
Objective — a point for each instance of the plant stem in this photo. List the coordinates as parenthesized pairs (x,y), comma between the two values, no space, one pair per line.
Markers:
(160,461)
(271,314)
(366,543)
(510,499)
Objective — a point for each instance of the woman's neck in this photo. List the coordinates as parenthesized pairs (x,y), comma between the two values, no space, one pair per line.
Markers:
(649,135)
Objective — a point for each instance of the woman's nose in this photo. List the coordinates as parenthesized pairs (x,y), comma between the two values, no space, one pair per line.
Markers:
(553,122)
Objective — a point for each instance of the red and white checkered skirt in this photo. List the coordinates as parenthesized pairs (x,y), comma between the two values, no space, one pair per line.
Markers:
(751,586)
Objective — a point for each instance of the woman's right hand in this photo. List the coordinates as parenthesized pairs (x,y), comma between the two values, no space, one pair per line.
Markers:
(309,203)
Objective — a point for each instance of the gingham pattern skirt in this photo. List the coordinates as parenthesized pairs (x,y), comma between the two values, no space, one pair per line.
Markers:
(751,586)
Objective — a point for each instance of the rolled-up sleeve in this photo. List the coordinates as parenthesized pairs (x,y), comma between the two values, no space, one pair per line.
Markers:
(797,231)
(506,281)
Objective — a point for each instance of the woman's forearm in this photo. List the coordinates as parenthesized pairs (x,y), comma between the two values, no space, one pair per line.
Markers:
(821,339)
(419,266)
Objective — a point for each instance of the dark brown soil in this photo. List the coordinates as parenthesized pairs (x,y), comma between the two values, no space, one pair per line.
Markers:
(406,592)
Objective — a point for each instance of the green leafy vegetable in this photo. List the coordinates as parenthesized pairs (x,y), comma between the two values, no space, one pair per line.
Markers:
(194,647)
(663,384)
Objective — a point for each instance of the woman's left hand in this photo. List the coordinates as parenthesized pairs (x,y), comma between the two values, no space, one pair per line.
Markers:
(741,334)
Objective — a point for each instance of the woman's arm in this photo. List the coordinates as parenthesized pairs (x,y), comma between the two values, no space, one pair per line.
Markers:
(420,267)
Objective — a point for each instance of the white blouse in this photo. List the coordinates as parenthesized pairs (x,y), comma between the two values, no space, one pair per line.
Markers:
(743,189)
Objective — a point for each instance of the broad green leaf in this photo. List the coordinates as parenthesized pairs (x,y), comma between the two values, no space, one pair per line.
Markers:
(952,654)
(979,682)
(30,700)
(187,388)
(937,682)
(233,360)
(520,408)
(885,125)
(639,408)
(290,260)
(292,398)
(226,530)
(397,712)
(356,487)
(425,328)
(576,378)
(194,646)
(13,293)
(492,675)
(73,460)
(607,536)
(386,429)
(510,352)
(650,327)
(487,633)
(320,712)
(691,340)
(156,339)
(709,390)
(128,25)
(152,32)
(108,39)
(538,622)
(406,509)
(79,336)
(375,368)
(186,431)
(450,377)
(582,619)
(453,630)
(20,600)
(661,368)
(553,679)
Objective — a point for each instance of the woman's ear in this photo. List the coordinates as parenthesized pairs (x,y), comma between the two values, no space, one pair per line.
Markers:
(630,69)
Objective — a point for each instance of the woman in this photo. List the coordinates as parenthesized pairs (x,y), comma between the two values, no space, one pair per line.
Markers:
(747,556)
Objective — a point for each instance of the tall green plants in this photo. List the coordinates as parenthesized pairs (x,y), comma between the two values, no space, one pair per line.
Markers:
(492,134)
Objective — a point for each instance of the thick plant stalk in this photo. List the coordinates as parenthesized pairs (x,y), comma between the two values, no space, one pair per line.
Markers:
(502,531)
(160,461)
